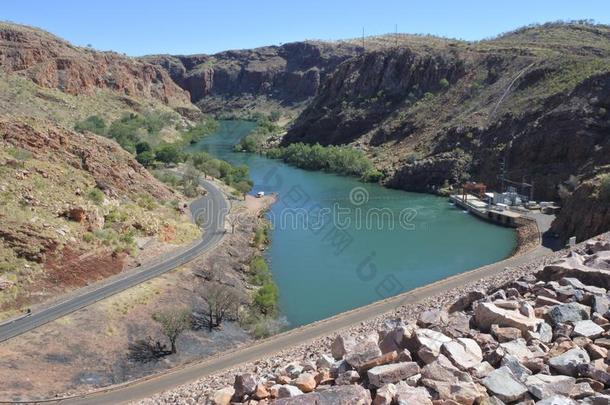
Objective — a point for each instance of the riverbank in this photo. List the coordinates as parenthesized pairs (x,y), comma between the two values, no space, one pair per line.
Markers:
(448,292)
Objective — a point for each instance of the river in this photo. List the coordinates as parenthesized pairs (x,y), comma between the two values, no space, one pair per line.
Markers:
(338,243)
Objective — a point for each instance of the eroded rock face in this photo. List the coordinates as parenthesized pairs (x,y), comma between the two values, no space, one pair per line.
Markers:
(287,74)
(54,63)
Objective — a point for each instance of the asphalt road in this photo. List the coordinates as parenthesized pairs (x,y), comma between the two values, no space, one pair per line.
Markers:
(144,388)
(208,211)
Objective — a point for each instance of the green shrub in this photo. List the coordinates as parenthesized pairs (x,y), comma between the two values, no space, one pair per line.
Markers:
(88,237)
(261,235)
(259,270)
(96,195)
(146,158)
(19,153)
(94,123)
(169,153)
(444,83)
(266,298)
(334,159)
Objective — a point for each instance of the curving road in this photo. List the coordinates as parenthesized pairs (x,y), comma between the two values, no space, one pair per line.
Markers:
(209,212)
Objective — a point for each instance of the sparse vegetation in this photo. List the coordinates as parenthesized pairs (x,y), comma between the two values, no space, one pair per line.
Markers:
(173,323)
(265,128)
(220,302)
(97,196)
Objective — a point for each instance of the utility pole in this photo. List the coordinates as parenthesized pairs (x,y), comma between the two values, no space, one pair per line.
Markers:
(396,35)
(362,39)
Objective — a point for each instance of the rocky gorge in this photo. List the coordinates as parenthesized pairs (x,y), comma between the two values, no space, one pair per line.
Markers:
(534,334)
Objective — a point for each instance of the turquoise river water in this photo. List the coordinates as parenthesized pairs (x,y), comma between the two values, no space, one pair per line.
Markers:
(338,243)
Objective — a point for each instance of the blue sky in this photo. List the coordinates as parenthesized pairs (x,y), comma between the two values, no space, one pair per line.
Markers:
(190,26)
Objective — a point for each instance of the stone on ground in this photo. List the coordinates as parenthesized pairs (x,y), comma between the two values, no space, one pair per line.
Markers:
(503,384)
(391,373)
(567,362)
(338,395)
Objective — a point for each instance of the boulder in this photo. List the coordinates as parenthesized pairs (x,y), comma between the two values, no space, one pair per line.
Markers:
(325,361)
(244,384)
(571,312)
(428,339)
(574,266)
(487,314)
(464,353)
(385,395)
(261,392)
(587,329)
(465,301)
(391,373)
(526,309)
(223,396)
(433,317)
(582,390)
(544,386)
(362,352)
(575,283)
(481,370)
(390,357)
(515,366)
(288,391)
(292,370)
(545,332)
(567,362)
(504,385)
(347,378)
(408,395)
(305,382)
(590,371)
(337,395)
(450,383)
(557,400)
(394,340)
(505,334)
(517,348)
(341,345)
(596,352)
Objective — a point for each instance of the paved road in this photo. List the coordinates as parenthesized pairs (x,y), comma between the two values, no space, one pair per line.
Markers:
(209,211)
(266,348)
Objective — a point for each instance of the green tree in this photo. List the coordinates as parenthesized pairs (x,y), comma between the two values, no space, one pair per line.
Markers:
(173,323)
(169,154)
(266,298)
(142,147)
(146,158)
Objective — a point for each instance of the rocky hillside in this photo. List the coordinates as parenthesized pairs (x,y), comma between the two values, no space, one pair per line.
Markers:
(536,99)
(54,63)
(542,338)
(230,81)
(75,205)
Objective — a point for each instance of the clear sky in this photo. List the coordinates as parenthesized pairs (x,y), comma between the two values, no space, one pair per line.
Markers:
(189,26)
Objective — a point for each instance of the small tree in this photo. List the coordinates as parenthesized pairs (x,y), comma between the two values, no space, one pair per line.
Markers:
(220,302)
(173,323)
